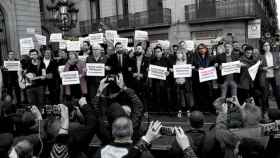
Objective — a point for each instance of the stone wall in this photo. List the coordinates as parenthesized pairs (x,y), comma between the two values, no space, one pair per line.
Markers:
(27,16)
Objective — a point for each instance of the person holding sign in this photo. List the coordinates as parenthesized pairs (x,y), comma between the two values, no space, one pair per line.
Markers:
(158,86)
(118,62)
(10,79)
(183,85)
(35,76)
(203,91)
(93,81)
(78,90)
(270,74)
(246,84)
(231,80)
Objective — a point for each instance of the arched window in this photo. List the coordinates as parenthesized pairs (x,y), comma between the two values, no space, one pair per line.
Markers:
(3,37)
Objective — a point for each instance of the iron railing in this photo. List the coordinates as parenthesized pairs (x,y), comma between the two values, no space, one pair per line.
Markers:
(223,10)
(149,18)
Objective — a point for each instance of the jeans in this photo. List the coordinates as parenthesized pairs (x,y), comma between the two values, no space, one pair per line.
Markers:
(184,100)
(35,95)
(226,85)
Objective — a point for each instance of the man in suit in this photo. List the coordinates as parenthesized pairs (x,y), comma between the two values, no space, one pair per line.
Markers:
(231,80)
(118,63)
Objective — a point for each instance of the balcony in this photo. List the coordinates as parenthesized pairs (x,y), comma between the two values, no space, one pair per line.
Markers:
(139,20)
(223,11)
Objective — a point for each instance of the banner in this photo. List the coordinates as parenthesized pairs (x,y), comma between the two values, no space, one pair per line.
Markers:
(73,46)
(70,78)
(111,34)
(42,40)
(157,72)
(56,37)
(123,41)
(230,68)
(95,69)
(26,44)
(12,65)
(96,38)
(253,70)
(207,74)
(181,71)
(141,35)
(254,29)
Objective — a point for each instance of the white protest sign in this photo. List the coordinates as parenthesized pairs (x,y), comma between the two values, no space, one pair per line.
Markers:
(111,34)
(42,40)
(96,38)
(26,44)
(123,41)
(189,45)
(157,72)
(141,35)
(12,65)
(230,68)
(182,70)
(95,69)
(165,44)
(61,69)
(253,70)
(70,78)
(207,74)
(73,46)
(63,44)
(56,37)
(254,29)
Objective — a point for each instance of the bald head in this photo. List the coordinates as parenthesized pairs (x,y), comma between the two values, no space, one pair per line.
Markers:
(122,128)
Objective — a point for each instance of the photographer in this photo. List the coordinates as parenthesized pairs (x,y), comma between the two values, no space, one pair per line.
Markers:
(113,98)
(122,144)
(57,131)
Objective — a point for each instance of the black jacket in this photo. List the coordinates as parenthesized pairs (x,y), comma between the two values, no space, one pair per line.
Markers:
(126,97)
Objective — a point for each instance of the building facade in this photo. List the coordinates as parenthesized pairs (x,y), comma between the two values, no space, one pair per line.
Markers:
(16,18)
(201,20)
(175,20)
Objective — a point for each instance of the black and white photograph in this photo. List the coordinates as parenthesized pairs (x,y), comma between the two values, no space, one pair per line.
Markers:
(139,78)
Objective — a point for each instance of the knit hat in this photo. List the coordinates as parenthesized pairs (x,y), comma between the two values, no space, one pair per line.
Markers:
(114,111)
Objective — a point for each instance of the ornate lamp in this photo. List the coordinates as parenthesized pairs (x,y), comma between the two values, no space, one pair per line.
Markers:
(63,14)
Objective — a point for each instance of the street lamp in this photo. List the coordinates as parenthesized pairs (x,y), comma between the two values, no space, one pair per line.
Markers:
(63,15)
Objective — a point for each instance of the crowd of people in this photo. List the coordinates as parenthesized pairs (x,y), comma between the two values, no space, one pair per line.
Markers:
(41,117)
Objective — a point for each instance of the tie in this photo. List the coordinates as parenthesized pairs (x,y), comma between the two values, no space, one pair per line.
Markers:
(120,60)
